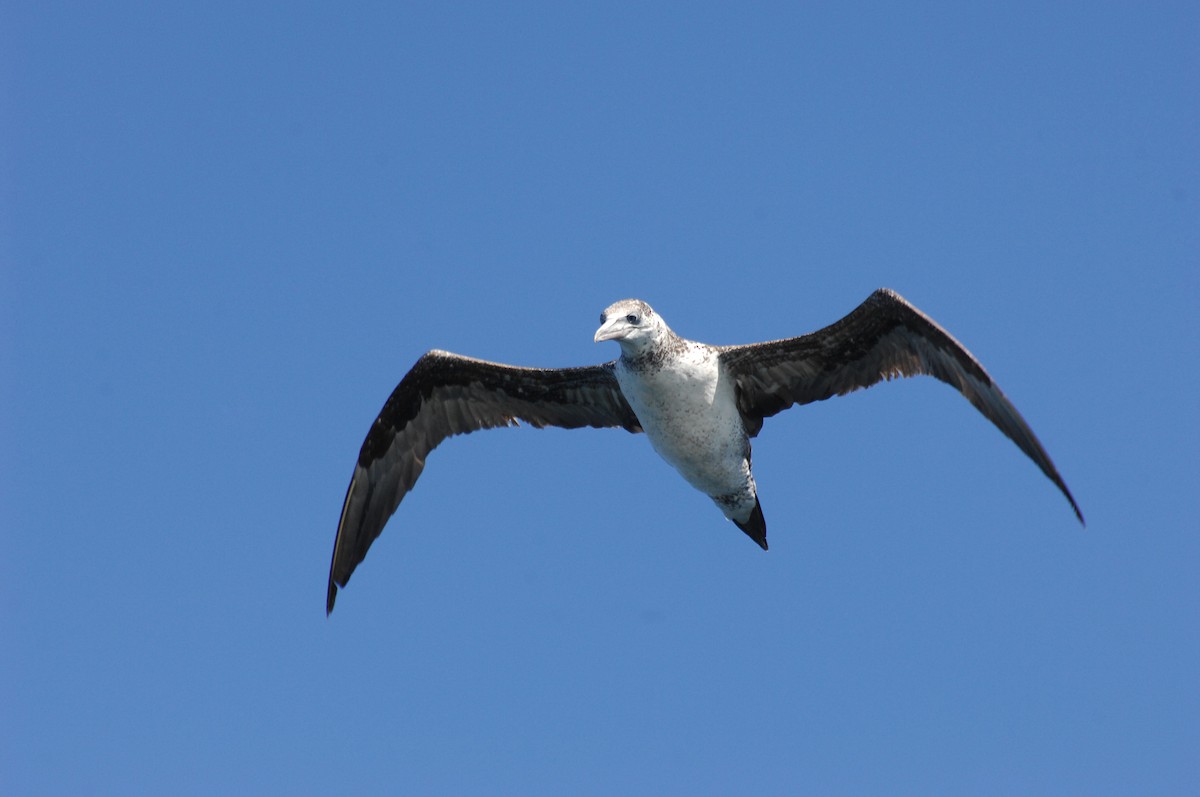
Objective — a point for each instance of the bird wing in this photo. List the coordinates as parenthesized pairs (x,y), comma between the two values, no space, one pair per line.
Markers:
(883,338)
(446,394)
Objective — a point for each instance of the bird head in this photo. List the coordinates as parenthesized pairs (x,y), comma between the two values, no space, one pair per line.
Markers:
(633,324)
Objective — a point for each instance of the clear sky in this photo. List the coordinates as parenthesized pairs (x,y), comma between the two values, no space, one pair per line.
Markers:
(227,233)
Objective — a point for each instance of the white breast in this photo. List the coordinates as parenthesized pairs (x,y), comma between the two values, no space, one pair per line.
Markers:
(689,412)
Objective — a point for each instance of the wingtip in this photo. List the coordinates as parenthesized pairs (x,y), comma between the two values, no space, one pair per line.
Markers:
(1070,498)
(330,598)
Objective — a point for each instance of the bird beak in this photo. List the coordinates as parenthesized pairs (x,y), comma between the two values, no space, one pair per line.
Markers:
(608,331)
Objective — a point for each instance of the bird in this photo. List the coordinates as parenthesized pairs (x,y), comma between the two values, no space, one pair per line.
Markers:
(699,405)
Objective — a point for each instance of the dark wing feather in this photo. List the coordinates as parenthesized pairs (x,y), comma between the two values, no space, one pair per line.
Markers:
(445,394)
(883,338)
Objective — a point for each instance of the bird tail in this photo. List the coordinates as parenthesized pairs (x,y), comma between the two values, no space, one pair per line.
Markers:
(755,526)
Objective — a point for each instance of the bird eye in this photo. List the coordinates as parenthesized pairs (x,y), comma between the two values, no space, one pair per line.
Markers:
(603,317)
(632,318)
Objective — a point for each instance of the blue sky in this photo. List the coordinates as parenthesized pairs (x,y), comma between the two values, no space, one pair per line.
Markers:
(227,233)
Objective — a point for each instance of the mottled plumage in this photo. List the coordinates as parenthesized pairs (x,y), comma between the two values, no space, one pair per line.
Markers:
(699,405)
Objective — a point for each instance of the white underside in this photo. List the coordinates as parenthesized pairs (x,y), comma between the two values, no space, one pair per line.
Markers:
(689,413)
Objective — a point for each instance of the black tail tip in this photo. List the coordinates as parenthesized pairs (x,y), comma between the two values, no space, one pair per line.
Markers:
(755,526)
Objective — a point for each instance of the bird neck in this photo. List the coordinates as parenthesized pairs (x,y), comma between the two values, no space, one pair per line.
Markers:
(651,352)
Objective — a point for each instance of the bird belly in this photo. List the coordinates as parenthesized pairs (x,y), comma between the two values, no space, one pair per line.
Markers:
(690,416)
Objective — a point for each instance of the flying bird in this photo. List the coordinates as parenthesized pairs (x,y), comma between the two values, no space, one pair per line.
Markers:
(698,405)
